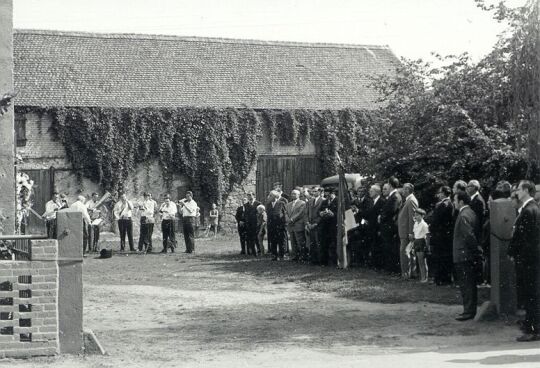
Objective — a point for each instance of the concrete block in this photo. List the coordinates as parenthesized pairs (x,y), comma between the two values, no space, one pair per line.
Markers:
(503,280)
(70,296)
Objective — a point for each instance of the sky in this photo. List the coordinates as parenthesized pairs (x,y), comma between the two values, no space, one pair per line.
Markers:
(412,28)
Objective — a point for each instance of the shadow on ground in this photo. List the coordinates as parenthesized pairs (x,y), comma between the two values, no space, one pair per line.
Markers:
(356,283)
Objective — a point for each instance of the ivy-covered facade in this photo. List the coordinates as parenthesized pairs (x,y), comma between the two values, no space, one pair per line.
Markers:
(138,113)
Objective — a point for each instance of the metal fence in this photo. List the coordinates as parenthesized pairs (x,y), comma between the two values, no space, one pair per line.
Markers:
(20,245)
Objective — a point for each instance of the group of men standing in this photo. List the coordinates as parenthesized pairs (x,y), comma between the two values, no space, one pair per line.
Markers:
(306,220)
(123,212)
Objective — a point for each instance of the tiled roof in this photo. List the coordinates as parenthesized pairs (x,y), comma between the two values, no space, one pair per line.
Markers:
(54,68)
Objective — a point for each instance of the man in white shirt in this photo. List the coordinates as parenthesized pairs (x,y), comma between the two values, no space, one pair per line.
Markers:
(95,214)
(168,213)
(79,206)
(189,214)
(148,209)
(51,207)
(123,211)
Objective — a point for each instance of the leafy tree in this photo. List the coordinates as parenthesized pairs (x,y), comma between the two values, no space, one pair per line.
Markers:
(465,120)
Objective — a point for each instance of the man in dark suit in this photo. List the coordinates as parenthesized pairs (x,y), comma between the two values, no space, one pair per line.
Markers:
(358,237)
(372,227)
(478,205)
(276,225)
(285,199)
(441,228)
(524,250)
(388,225)
(240,217)
(250,217)
(465,254)
(313,221)
(328,234)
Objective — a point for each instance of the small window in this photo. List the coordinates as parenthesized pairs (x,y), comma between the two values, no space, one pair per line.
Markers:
(20,130)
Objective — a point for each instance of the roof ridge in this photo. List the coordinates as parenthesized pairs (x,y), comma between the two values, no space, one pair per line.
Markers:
(142,36)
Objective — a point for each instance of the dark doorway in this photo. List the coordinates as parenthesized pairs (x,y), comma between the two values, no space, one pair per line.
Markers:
(43,189)
(290,171)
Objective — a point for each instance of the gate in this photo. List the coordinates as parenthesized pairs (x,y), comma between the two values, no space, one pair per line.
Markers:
(290,171)
(43,189)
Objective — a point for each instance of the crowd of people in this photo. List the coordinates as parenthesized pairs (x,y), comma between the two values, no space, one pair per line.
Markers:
(449,244)
(123,212)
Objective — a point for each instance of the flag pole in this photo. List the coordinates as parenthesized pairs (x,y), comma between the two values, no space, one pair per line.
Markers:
(341,233)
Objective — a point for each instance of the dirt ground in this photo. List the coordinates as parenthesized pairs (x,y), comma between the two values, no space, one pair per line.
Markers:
(215,308)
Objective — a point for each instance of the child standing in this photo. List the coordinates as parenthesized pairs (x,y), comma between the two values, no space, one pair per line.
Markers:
(261,227)
(214,220)
(420,230)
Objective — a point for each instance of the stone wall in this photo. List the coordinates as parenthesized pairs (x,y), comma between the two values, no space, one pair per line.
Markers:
(29,303)
(43,150)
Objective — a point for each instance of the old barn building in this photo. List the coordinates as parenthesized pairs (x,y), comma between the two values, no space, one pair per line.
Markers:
(66,69)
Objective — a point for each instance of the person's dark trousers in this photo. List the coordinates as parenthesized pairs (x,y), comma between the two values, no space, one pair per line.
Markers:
(95,239)
(528,293)
(391,244)
(442,260)
(142,234)
(243,238)
(86,237)
(148,236)
(314,245)
(276,239)
(377,253)
(521,284)
(466,273)
(169,240)
(251,241)
(125,227)
(188,225)
(332,249)
(272,244)
(51,229)
(323,246)
(328,250)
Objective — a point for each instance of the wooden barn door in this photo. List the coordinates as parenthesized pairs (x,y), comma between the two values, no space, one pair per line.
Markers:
(43,188)
(290,171)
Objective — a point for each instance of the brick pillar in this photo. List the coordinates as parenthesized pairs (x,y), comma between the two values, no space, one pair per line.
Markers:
(70,292)
(7,148)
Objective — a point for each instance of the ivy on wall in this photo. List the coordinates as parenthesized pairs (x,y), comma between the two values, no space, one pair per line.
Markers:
(215,148)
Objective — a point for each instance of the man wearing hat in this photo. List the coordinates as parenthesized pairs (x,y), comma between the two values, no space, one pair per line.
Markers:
(276,225)
(328,212)
(388,225)
(313,221)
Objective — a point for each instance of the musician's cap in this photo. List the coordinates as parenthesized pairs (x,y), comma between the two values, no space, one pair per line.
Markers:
(93,194)
(167,196)
(189,192)
(146,194)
